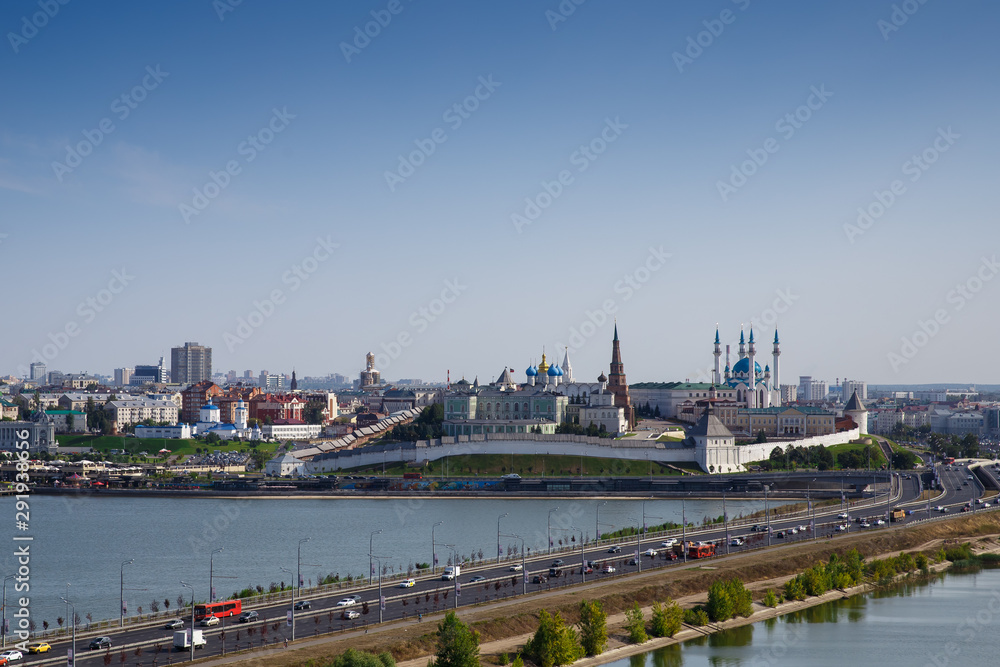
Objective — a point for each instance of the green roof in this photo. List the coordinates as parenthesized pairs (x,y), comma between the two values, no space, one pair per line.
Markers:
(65,412)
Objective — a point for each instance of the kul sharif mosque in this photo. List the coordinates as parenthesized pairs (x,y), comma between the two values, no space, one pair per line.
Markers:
(761,391)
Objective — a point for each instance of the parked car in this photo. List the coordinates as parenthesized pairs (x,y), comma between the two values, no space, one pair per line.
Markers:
(248,617)
(102,642)
(302,604)
(350,614)
(210,622)
(39,647)
(174,624)
(736,542)
(555,572)
(407,583)
(516,567)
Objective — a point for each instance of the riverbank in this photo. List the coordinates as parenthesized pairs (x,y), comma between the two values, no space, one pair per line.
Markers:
(506,625)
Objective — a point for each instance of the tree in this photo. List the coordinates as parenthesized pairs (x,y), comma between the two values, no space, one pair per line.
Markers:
(635,624)
(728,599)
(554,643)
(667,619)
(593,628)
(458,645)
(777,456)
(354,658)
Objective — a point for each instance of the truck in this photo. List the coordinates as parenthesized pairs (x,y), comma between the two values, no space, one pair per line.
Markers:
(897,514)
(451,572)
(182,640)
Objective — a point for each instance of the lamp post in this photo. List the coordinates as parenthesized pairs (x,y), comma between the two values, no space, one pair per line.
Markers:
(433,552)
(3,629)
(725,519)
(524,573)
(285,569)
(767,514)
(597,524)
(192,617)
(381,606)
(548,529)
(72,651)
(684,525)
(498,535)
(298,564)
(583,555)
(371,562)
(121,595)
(454,562)
(211,574)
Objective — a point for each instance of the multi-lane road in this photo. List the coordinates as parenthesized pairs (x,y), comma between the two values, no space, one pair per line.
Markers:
(501,580)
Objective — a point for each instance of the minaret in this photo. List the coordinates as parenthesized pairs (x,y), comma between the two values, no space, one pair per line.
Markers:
(566,368)
(742,344)
(774,366)
(752,402)
(617,384)
(727,363)
(717,375)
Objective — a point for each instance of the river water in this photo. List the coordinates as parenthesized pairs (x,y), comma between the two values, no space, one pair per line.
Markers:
(953,620)
(83,541)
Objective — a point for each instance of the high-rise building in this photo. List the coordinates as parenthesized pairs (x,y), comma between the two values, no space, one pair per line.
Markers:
(191,363)
(247,375)
(38,371)
(850,386)
(146,374)
(123,376)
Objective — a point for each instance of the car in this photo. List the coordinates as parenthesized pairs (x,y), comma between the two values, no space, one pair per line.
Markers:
(879,522)
(841,527)
(556,563)
(512,475)
(793,530)
(101,642)
(174,624)
(609,569)
(210,621)
(736,542)
(350,614)
(780,534)
(843,515)
(615,549)
(538,579)
(39,647)
(356,598)
(633,561)
(11,655)
(803,528)
(588,570)
(515,568)
(986,504)
(755,529)
(865,524)
(649,552)
(965,483)
(407,583)
(968,477)
(477,579)
(666,544)
(346,602)
(248,617)
(958,488)
(302,604)
(555,572)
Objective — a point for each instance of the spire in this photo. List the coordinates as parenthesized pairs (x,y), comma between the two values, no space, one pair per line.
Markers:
(775,336)
(751,335)
(717,341)
(616,328)
(742,342)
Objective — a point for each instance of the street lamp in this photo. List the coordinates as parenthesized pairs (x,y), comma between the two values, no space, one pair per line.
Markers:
(298,563)
(597,524)
(211,573)
(121,596)
(72,654)
(684,525)
(454,562)
(285,569)
(3,631)
(499,552)
(524,572)
(381,604)
(725,519)
(548,530)
(192,616)
(583,555)
(433,552)
(371,564)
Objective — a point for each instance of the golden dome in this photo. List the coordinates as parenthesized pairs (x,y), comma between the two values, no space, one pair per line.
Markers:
(543,367)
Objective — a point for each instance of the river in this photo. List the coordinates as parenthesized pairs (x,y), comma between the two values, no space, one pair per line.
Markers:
(79,544)
(951,620)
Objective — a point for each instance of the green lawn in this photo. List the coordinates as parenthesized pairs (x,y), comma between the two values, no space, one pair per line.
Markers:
(670,438)
(878,460)
(494,465)
(104,443)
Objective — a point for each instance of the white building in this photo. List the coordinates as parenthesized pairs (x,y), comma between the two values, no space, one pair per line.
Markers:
(290,430)
(285,466)
(848,387)
(175,432)
(133,411)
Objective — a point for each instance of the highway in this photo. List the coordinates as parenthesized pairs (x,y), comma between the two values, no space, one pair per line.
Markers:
(430,594)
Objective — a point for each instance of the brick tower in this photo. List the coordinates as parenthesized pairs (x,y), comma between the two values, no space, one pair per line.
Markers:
(617,383)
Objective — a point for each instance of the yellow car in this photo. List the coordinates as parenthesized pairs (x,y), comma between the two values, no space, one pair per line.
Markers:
(408,583)
(39,647)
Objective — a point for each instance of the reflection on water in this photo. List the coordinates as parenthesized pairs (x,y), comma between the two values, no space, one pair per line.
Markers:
(947,619)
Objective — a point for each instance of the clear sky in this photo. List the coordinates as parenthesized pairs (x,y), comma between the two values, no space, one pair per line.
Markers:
(484,180)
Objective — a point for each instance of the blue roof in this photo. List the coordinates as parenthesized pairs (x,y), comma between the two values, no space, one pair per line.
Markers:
(531,372)
(743,366)
(210,407)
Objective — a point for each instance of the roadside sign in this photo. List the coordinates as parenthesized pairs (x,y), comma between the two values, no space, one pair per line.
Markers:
(381,602)
(288,618)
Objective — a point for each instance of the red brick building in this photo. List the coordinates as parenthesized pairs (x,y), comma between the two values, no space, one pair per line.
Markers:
(275,407)
(195,397)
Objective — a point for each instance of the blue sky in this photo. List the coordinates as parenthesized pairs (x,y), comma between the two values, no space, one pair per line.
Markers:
(353,255)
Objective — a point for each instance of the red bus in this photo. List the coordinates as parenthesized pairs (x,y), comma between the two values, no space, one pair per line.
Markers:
(218,609)
(948,460)
(412,475)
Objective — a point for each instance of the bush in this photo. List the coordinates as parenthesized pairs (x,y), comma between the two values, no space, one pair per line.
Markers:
(554,642)
(770,599)
(636,625)
(696,617)
(728,599)
(667,619)
(593,628)
(503,659)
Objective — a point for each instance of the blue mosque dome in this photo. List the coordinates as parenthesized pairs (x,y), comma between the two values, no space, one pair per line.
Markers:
(553,370)
(531,372)
(743,367)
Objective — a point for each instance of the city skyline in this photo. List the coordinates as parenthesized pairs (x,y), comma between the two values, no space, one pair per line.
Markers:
(462,187)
